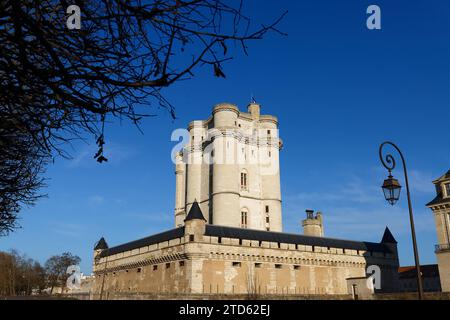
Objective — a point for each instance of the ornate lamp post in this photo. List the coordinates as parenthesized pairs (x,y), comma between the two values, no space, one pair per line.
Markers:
(391,189)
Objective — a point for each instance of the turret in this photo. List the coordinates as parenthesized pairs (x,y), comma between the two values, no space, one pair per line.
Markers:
(389,275)
(225,115)
(194,158)
(254,109)
(195,223)
(225,171)
(313,224)
(180,190)
(389,240)
(99,247)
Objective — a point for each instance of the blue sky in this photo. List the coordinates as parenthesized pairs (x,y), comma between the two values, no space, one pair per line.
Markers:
(338,89)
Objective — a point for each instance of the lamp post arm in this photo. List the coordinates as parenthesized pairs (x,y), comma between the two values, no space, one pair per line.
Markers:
(389,163)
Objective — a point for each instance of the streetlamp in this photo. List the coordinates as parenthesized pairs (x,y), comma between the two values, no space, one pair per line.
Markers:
(391,189)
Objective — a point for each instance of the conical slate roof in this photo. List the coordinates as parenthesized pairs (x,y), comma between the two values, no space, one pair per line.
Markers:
(101,244)
(195,213)
(388,237)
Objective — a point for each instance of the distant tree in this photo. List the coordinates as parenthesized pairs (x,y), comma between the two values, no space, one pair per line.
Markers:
(20,275)
(56,268)
(58,84)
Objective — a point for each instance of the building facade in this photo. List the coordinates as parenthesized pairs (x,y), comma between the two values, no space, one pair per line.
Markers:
(231,240)
(407,276)
(440,206)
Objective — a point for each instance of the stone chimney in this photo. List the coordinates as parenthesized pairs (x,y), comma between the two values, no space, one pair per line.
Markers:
(313,224)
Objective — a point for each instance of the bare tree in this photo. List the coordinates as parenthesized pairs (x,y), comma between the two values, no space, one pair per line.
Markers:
(58,84)
(20,275)
(21,166)
(56,268)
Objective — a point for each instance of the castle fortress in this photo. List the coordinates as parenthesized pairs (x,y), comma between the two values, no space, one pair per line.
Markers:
(228,235)
(231,167)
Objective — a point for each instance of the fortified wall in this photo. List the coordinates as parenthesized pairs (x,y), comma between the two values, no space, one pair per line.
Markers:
(200,258)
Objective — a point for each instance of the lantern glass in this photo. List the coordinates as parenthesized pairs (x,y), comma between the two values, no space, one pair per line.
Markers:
(391,189)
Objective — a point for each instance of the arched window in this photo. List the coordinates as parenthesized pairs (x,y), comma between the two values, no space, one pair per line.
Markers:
(244,180)
(244,218)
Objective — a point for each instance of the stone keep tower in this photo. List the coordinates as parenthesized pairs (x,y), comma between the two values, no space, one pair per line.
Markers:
(441,210)
(231,167)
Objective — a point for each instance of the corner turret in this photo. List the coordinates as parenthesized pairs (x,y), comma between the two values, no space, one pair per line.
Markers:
(313,224)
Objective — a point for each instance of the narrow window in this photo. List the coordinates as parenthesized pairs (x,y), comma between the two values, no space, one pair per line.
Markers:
(267,209)
(191,237)
(257,265)
(155,267)
(268,228)
(139,270)
(268,131)
(181,263)
(278,266)
(167,265)
(270,153)
(244,180)
(219,240)
(296,267)
(267,219)
(236,264)
(240,242)
(447,189)
(244,219)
